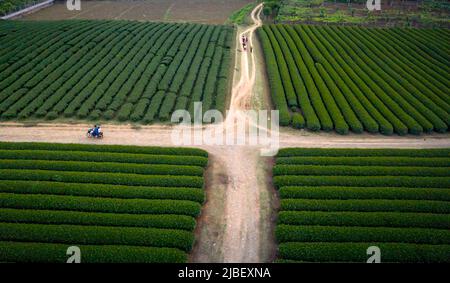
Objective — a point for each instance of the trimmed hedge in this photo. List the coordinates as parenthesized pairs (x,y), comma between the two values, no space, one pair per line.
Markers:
(365,193)
(46,252)
(356,252)
(366,219)
(108,198)
(289,233)
(363,181)
(104,148)
(277,89)
(102,178)
(165,221)
(96,235)
(344,170)
(389,152)
(95,204)
(373,205)
(336,73)
(366,161)
(104,157)
(101,190)
(109,167)
(105,72)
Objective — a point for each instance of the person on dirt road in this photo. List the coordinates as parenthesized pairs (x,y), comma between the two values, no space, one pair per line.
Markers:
(96,131)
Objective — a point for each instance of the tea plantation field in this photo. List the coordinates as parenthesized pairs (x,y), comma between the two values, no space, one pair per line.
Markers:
(122,70)
(116,203)
(359,79)
(336,203)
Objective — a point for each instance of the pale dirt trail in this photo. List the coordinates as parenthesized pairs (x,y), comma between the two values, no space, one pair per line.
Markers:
(235,224)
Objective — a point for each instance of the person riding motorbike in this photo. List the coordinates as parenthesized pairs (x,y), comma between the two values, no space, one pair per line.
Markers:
(95,132)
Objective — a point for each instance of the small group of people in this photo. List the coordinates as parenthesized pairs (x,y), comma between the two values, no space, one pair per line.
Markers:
(245,43)
(95,131)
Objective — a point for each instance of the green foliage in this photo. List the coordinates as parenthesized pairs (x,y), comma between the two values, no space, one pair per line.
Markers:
(151,150)
(370,219)
(102,178)
(104,70)
(344,79)
(356,252)
(101,190)
(334,201)
(121,203)
(238,17)
(97,235)
(288,233)
(347,193)
(165,221)
(44,252)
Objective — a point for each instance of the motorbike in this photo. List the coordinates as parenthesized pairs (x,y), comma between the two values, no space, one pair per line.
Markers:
(90,134)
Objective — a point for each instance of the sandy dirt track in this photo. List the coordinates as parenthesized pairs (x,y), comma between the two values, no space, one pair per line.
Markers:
(161,136)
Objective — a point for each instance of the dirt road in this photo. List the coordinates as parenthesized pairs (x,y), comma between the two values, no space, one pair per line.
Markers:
(235,224)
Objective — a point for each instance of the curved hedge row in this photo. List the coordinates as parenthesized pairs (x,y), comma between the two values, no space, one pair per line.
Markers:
(97,235)
(45,252)
(337,192)
(278,94)
(93,204)
(363,181)
(369,219)
(104,157)
(111,167)
(344,170)
(365,161)
(102,190)
(152,150)
(165,221)
(102,178)
(288,233)
(356,252)
(342,152)
(366,205)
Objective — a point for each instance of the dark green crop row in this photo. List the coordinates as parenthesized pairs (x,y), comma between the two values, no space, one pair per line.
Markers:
(108,167)
(101,190)
(345,170)
(104,148)
(102,178)
(96,235)
(290,233)
(89,204)
(371,219)
(165,221)
(104,157)
(363,181)
(357,252)
(344,193)
(358,152)
(365,161)
(56,253)
(366,205)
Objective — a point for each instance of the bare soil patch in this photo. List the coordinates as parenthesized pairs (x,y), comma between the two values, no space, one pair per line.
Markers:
(200,11)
